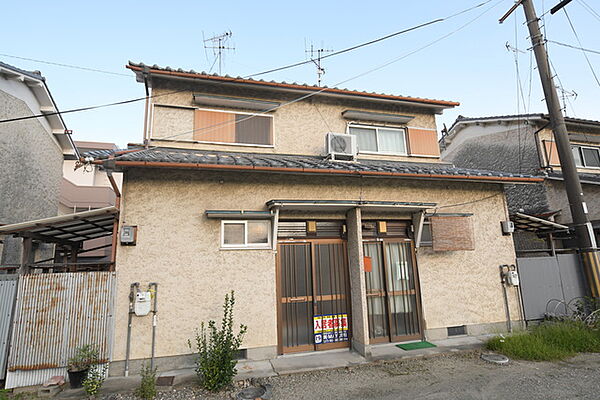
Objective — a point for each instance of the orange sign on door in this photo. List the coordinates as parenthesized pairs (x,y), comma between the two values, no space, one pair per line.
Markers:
(368,264)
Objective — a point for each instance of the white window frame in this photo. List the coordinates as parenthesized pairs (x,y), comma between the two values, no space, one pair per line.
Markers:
(582,156)
(246,245)
(376,128)
(235,143)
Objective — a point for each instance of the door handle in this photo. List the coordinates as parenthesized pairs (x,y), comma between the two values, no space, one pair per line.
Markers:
(374,294)
(296,299)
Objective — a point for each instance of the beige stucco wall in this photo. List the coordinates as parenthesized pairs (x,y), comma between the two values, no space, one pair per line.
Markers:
(178,247)
(298,128)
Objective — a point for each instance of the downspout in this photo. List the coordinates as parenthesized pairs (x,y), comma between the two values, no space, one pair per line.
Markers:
(113,254)
(145,73)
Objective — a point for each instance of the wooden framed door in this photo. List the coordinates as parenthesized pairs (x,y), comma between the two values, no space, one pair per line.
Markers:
(393,298)
(313,295)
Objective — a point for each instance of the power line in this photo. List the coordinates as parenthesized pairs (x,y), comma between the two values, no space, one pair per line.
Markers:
(580,45)
(573,47)
(358,46)
(589,9)
(248,76)
(66,65)
(394,60)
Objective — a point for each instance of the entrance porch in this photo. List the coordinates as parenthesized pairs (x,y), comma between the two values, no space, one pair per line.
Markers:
(344,279)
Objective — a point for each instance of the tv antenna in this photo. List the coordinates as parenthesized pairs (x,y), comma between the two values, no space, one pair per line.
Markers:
(316,55)
(218,44)
(564,95)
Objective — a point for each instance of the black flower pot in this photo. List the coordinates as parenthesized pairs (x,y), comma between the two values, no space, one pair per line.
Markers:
(76,378)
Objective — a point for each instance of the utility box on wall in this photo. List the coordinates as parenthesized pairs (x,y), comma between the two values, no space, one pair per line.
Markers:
(128,235)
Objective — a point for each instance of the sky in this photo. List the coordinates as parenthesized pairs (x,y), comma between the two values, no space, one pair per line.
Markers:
(466,58)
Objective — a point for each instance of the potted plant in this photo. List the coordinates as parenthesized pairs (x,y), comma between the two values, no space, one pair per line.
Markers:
(79,365)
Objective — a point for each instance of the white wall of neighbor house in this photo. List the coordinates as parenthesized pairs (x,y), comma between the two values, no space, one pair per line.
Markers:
(179,248)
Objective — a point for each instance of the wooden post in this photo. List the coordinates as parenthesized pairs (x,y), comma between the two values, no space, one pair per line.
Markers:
(26,255)
(73,259)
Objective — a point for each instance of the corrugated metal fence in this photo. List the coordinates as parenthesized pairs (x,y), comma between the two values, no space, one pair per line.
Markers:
(545,281)
(8,291)
(55,314)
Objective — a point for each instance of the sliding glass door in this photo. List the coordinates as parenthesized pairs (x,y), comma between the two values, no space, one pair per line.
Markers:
(392,291)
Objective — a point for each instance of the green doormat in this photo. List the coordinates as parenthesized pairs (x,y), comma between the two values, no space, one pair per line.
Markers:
(415,345)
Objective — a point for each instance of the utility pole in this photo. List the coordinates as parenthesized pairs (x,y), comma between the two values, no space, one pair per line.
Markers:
(583,228)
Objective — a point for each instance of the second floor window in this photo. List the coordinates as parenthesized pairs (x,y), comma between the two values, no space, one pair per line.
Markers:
(373,139)
(231,127)
(588,157)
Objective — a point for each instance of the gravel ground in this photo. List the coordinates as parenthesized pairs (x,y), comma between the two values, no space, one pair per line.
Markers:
(454,376)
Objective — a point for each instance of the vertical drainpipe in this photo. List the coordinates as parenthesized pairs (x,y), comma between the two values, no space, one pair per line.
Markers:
(145,73)
(113,255)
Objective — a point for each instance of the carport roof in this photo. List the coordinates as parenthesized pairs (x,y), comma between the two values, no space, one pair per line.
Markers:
(70,229)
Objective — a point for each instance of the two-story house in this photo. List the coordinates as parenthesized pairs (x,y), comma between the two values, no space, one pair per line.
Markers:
(343,240)
(525,144)
(32,150)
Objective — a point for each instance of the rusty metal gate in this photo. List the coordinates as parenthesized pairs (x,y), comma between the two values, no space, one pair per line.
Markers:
(55,314)
(8,291)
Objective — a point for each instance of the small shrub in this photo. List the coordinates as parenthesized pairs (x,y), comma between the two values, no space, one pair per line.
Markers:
(147,388)
(216,349)
(94,379)
(548,341)
(4,394)
(84,357)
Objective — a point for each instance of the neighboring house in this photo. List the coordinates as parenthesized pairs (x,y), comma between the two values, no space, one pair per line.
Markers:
(88,188)
(525,144)
(235,189)
(31,156)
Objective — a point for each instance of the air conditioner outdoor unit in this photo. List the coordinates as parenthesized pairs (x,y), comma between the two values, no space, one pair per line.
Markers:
(341,146)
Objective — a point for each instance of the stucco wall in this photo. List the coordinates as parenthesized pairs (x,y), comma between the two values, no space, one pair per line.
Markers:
(557,197)
(178,247)
(31,164)
(299,128)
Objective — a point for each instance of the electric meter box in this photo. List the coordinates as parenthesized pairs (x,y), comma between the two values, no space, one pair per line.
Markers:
(128,235)
(143,302)
(512,278)
(508,227)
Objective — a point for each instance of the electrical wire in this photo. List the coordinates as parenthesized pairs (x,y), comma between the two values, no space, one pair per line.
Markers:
(467,202)
(580,45)
(392,61)
(233,80)
(102,71)
(358,46)
(589,9)
(573,47)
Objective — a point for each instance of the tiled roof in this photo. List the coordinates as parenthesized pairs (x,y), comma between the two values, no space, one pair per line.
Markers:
(137,67)
(583,177)
(538,116)
(31,74)
(207,159)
